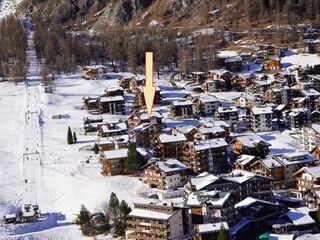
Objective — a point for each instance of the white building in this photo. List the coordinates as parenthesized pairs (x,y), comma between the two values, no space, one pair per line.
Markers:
(261,119)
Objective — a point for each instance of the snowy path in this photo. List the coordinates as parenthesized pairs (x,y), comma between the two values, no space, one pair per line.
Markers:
(32,149)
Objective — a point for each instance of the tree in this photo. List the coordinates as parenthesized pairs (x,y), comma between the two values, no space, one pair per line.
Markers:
(96,149)
(75,137)
(114,207)
(124,210)
(222,235)
(260,150)
(70,137)
(135,160)
(84,216)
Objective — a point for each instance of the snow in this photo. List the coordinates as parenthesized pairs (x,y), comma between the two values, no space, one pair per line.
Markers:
(7,7)
(212,227)
(66,181)
(309,237)
(143,213)
(301,60)
(203,180)
(171,165)
(249,201)
(168,138)
(281,237)
(300,217)
(115,154)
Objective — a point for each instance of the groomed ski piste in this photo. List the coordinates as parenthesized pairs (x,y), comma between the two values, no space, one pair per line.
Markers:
(38,168)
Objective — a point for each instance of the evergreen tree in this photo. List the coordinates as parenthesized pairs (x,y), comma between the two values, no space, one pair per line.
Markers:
(96,148)
(260,150)
(84,216)
(134,160)
(70,137)
(124,210)
(75,137)
(222,235)
(114,207)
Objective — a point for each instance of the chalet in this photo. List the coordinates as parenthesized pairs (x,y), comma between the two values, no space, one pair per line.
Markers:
(112,105)
(139,117)
(113,91)
(315,80)
(248,101)
(302,85)
(90,103)
(113,143)
(297,117)
(281,167)
(228,114)
(261,119)
(248,145)
(181,109)
(242,183)
(211,86)
(315,152)
(152,221)
(113,161)
(145,132)
(210,231)
(270,50)
(139,100)
(211,206)
(166,175)
(311,198)
(308,178)
(296,221)
(219,74)
(310,136)
(211,132)
(169,145)
(258,86)
(299,102)
(241,81)
(111,129)
(272,64)
(244,162)
(135,84)
(93,72)
(312,95)
(206,155)
(273,95)
(198,77)
(205,105)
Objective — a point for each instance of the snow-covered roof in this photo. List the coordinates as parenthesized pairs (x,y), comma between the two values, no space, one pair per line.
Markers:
(227,109)
(245,159)
(175,137)
(227,54)
(314,171)
(270,163)
(261,110)
(111,99)
(239,176)
(310,92)
(315,127)
(113,88)
(115,154)
(299,217)
(281,236)
(212,227)
(171,165)
(297,157)
(213,198)
(143,115)
(250,141)
(182,103)
(213,129)
(249,201)
(149,214)
(120,138)
(210,143)
(203,180)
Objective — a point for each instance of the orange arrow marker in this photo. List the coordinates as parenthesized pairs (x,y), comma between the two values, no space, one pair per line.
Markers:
(149,89)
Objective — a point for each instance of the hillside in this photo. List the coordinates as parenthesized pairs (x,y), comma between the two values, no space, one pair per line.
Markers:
(86,14)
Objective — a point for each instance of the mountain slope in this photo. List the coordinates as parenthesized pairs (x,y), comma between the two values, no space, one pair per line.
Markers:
(86,14)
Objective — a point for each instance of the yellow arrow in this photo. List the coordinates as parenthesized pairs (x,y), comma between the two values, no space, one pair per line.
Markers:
(149,89)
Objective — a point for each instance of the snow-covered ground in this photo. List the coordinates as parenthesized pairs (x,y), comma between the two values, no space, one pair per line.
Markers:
(300,59)
(8,7)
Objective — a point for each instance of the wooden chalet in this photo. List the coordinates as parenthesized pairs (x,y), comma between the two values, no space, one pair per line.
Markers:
(169,174)
(113,162)
(112,105)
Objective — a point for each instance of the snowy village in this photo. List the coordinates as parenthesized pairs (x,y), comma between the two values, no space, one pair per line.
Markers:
(226,148)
